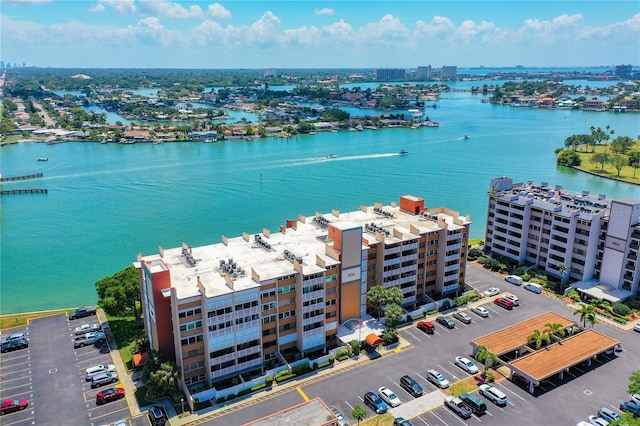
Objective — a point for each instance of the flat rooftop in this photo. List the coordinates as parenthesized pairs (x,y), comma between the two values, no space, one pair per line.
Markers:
(513,337)
(566,353)
(269,254)
(311,413)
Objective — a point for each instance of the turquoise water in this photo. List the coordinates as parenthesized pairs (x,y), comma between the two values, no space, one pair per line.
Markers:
(108,202)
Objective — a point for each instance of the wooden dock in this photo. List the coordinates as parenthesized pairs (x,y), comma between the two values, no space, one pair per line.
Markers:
(23,177)
(25,191)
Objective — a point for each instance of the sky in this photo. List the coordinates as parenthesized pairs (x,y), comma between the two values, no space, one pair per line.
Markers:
(319,34)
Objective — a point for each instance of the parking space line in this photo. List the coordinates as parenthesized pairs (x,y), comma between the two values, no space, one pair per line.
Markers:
(350,406)
(449,372)
(301,392)
(510,391)
(422,420)
(437,417)
(27,361)
(457,418)
(412,335)
(477,418)
(419,375)
(110,413)
(21,421)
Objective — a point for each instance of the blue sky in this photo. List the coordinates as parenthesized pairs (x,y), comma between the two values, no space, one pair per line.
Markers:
(316,34)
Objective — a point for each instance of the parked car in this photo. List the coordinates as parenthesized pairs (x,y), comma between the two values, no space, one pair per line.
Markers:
(608,414)
(513,279)
(14,336)
(494,395)
(635,397)
(466,365)
(87,328)
(463,317)
(401,421)
(157,416)
(536,288)
(341,420)
(480,310)
(491,291)
(374,401)
(426,326)
(437,379)
(89,339)
(390,398)
(13,405)
(597,421)
(446,321)
(14,345)
(103,379)
(513,298)
(97,369)
(504,303)
(474,403)
(630,406)
(457,406)
(409,384)
(109,395)
(85,311)
(636,327)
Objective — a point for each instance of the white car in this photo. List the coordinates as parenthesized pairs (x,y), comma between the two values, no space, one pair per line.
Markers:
(513,298)
(87,328)
(635,397)
(491,291)
(98,369)
(597,421)
(480,310)
(389,397)
(437,379)
(636,327)
(466,365)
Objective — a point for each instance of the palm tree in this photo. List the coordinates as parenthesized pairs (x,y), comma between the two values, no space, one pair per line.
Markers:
(564,272)
(487,358)
(587,315)
(539,338)
(554,329)
(359,413)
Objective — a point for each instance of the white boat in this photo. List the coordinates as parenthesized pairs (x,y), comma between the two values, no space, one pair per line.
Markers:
(465,137)
(331,156)
(403,152)
(43,159)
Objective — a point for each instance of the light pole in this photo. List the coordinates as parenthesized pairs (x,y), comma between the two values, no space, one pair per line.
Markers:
(182,402)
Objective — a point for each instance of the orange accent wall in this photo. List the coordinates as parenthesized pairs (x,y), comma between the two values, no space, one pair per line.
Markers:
(412,205)
(162,280)
(349,301)
(335,235)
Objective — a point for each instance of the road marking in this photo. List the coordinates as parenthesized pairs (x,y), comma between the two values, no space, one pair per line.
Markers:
(477,418)
(450,373)
(412,335)
(490,413)
(301,392)
(509,390)
(418,374)
(445,423)
(350,406)
(423,421)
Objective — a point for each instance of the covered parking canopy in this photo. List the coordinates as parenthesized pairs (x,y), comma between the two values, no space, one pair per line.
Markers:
(515,336)
(557,358)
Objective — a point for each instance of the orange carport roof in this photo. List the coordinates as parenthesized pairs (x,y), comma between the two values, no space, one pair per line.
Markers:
(570,351)
(511,338)
(373,340)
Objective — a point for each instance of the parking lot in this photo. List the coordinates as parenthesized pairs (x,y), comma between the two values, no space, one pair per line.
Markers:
(581,393)
(50,375)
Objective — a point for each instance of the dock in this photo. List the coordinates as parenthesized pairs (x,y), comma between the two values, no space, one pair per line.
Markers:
(24,191)
(23,177)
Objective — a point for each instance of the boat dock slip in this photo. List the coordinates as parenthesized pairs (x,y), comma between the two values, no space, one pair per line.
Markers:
(24,191)
(24,177)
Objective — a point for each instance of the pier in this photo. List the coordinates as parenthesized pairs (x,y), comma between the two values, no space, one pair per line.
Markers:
(24,191)
(23,177)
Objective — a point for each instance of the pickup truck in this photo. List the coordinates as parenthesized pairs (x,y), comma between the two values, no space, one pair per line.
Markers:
(457,406)
(85,311)
(89,339)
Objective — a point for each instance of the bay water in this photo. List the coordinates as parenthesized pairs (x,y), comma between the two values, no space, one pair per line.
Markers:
(107,202)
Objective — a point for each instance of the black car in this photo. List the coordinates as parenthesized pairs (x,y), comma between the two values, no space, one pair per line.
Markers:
(157,416)
(446,321)
(630,406)
(411,386)
(14,345)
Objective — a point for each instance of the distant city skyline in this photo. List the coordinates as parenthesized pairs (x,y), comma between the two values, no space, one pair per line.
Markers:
(312,34)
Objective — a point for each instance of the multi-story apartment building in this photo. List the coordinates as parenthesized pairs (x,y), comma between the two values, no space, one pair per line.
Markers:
(228,308)
(424,72)
(595,238)
(623,71)
(389,74)
(449,72)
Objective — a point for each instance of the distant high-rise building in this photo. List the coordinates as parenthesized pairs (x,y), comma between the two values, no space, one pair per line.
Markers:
(424,73)
(388,74)
(623,71)
(269,72)
(449,72)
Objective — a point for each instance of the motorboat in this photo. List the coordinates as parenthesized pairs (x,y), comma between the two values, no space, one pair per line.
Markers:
(465,137)
(403,152)
(43,159)
(331,156)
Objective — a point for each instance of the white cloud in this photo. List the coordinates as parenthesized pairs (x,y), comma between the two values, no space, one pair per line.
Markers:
(218,12)
(625,29)
(165,9)
(324,12)
(438,26)
(147,31)
(121,7)
(387,31)
(97,8)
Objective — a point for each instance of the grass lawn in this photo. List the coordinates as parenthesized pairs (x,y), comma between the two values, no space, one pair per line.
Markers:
(19,320)
(626,173)
(385,419)
(125,332)
(475,241)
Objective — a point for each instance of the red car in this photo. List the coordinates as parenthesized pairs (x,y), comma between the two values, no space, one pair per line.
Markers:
(13,405)
(426,326)
(505,303)
(109,395)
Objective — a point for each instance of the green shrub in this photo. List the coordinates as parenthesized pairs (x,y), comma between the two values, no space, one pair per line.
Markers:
(343,357)
(300,369)
(432,312)
(526,277)
(199,405)
(446,305)
(460,300)
(621,309)
(323,364)
(244,392)
(341,353)
(315,366)
(285,377)
(268,381)
(634,305)
(356,345)
(490,377)
(573,294)
(258,387)
(332,360)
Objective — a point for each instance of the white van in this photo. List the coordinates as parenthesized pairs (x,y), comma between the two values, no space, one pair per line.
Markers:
(513,279)
(536,288)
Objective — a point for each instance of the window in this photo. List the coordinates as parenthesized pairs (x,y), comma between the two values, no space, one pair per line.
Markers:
(189,312)
(269,319)
(331,278)
(268,306)
(221,352)
(223,365)
(287,314)
(191,325)
(220,311)
(267,294)
(331,302)
(286,289)
(191,340)
(246,305)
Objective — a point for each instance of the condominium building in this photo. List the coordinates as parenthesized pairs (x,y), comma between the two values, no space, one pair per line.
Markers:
(595,238)
(424,72)
(389,74)
(449,72)
(228,308)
